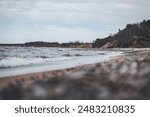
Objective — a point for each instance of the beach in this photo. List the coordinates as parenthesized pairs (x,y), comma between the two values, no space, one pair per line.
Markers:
(126,76)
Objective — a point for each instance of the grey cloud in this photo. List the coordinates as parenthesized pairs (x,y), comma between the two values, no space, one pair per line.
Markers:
(104,15)
(97,11)
(99,7)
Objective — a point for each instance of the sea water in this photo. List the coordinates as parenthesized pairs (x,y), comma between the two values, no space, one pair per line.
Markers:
(23,60)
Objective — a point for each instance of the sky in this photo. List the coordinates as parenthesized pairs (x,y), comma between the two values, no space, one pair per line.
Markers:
(67,20)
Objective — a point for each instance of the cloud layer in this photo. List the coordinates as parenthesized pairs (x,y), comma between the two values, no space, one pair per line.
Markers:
(67,20)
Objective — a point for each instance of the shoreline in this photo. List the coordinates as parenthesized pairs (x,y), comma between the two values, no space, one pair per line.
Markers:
(124,77)
(30,78)
(25,72)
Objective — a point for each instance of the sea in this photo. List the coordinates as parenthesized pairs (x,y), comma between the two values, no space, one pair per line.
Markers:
(23,60)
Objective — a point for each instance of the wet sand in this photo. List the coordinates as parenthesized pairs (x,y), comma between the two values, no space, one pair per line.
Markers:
(124,77)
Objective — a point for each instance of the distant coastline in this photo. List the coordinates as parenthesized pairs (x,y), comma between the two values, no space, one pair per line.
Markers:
(51,44)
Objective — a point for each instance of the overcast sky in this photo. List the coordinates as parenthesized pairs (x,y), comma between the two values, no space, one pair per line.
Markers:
(67,20)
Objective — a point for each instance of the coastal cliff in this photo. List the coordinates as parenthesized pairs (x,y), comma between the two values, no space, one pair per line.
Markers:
(134,36)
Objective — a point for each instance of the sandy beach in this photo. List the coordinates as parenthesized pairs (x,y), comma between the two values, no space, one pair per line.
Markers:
(123,77)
